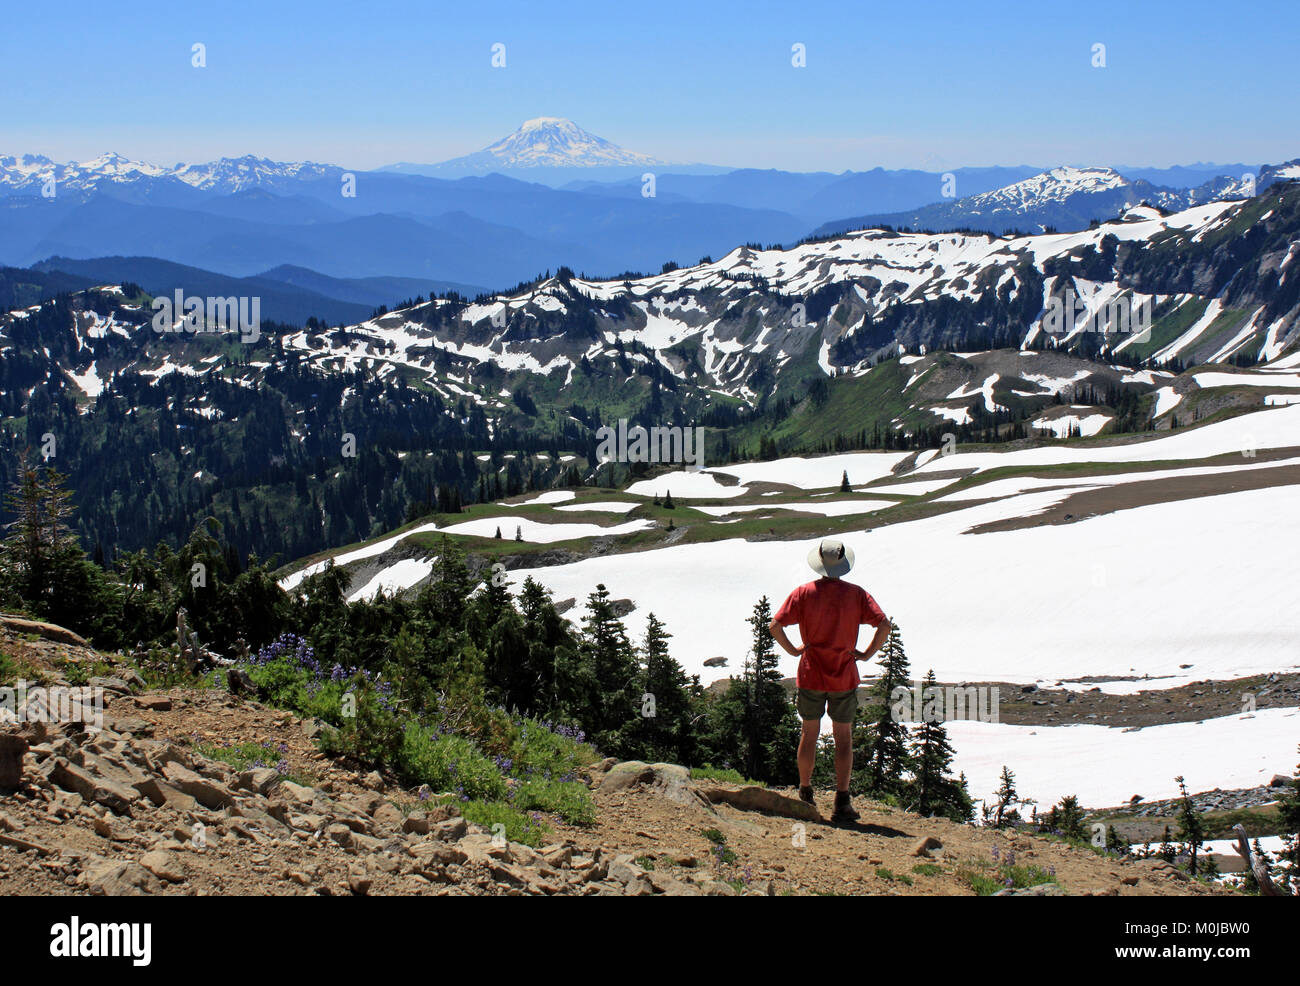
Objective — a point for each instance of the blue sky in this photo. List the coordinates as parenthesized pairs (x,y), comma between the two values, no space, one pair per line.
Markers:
(931,85)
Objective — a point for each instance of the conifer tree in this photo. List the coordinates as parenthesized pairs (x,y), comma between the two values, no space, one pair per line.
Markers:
(844,483)
(1167,851)
(666,716)
(1006,796)
(764,696)
(609,670)
(1191,829)
(1069,818)
(443,597)
(1289,816)
(933,792)
(889,755)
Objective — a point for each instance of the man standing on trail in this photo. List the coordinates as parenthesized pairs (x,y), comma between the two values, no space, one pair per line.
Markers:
(829,612)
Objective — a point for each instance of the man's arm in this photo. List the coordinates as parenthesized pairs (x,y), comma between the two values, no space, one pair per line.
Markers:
(877,641)
(778,634)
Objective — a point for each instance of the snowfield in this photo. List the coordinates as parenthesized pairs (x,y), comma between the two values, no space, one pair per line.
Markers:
(550,496)
(538,533)
(1088,425)
(1243,434)
(827,508)
(394,578)
(813,473)
(291,582)
(1141,591)
(686,486)
(1105,766)
(604,506)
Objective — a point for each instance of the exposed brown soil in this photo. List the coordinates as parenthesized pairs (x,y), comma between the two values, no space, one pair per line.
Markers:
(867,858)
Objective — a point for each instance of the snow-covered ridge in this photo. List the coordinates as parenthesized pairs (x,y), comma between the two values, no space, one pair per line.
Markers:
(1055,185)
(691,303)
(226,175)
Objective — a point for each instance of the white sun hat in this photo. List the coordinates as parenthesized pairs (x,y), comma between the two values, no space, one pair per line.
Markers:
(831,558)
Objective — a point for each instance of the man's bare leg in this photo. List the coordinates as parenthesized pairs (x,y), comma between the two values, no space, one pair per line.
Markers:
(808,750)
(843,733)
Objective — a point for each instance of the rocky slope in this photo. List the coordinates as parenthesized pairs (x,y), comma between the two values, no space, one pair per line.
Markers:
(147,806)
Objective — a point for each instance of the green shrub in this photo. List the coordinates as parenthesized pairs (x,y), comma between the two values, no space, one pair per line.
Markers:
(517,825)
(887,874)
(534,746)
(372,734)
(569,799)
(725,774)
(986,879)
(448,762)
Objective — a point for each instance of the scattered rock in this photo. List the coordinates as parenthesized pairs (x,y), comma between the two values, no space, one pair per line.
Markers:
(924,847)
(205,791)
(112,795)
(164,864)
(240,682)
(110,878)
(1039,890)
(50,631)
(115,685)
(263,780)
(12,750)
(452,830)
(762,799)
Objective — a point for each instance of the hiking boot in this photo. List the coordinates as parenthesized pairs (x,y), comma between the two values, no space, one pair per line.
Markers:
(806,795)
(843,813)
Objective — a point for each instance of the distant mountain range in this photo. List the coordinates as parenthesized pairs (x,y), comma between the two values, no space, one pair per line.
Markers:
(566,198)
(1060,199)
(288,294)
(866,338)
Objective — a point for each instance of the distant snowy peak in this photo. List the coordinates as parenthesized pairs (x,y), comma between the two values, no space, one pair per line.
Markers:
(1288,171)
(238,174)
(1051,187)
(1061,185)
(30,169)
(553,142)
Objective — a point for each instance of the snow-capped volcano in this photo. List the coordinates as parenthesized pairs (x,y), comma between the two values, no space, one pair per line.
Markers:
(553,142)
(547,145)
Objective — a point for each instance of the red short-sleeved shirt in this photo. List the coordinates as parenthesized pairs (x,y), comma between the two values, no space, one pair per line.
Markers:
(829,612)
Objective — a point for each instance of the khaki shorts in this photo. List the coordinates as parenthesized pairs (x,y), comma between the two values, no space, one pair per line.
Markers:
(812,705)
